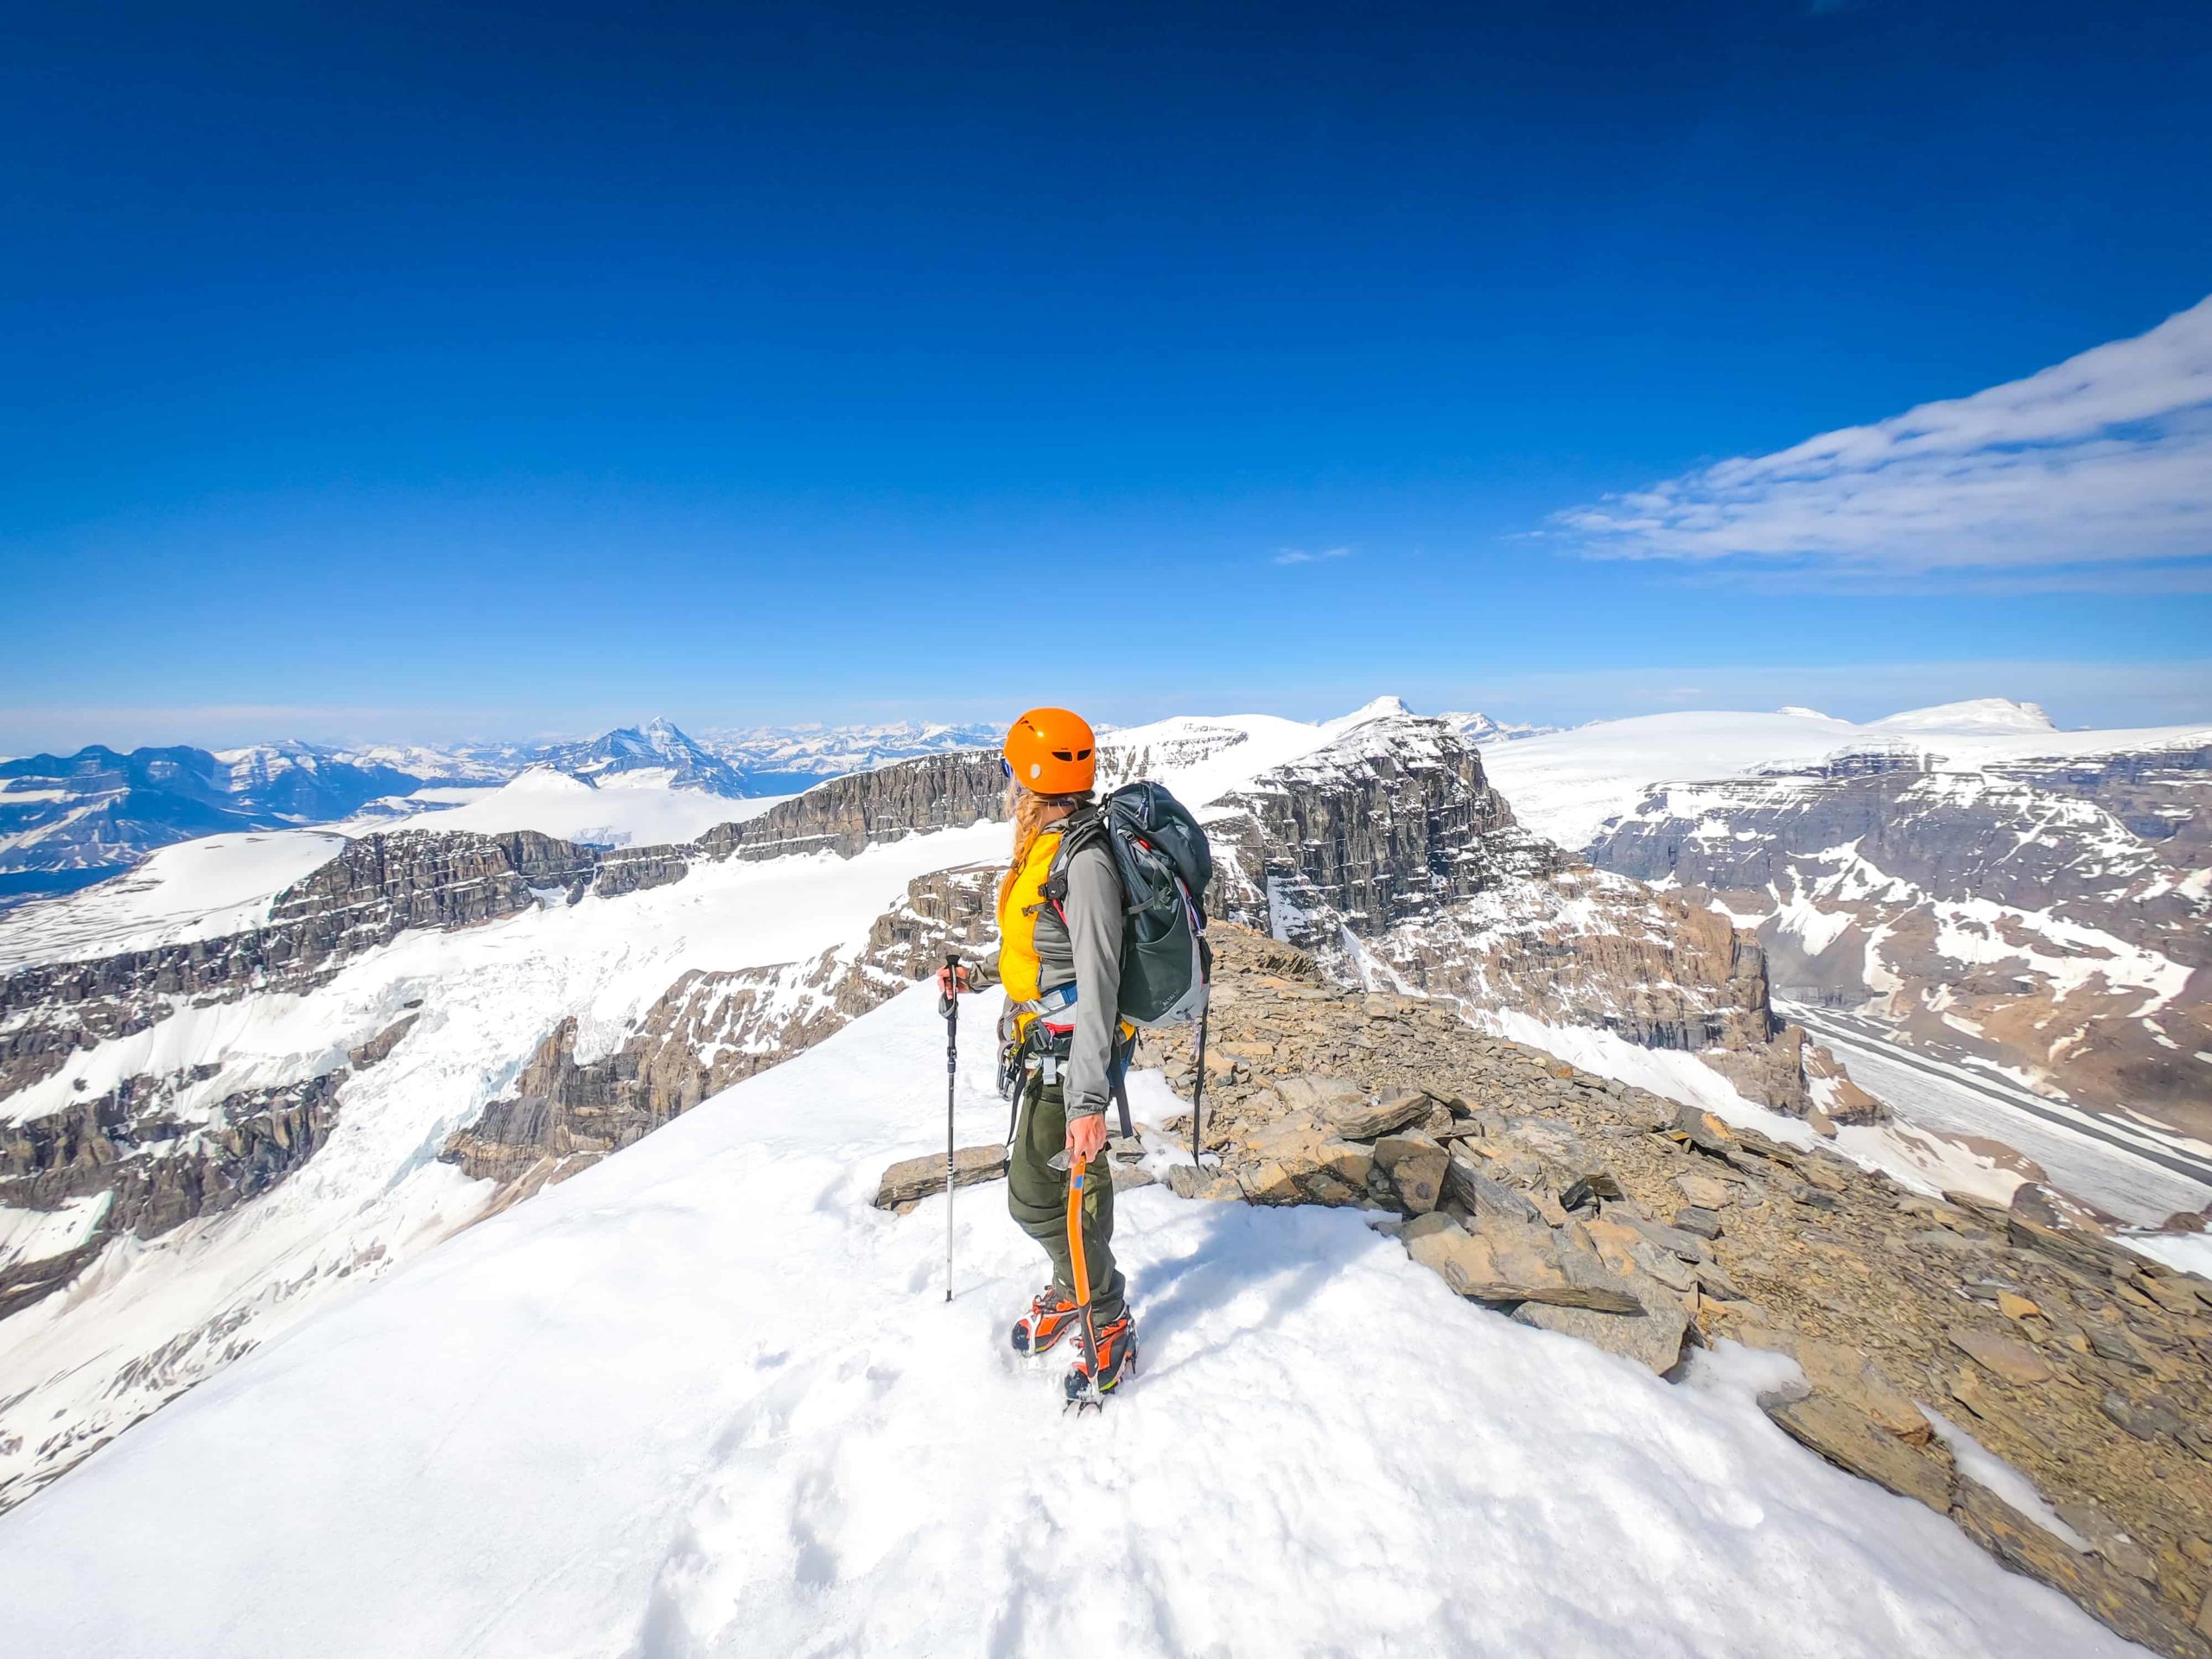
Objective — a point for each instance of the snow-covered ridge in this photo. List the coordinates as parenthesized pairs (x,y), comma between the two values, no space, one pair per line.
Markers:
(790,755)
(709,1370)
(484,999)
(1567,785)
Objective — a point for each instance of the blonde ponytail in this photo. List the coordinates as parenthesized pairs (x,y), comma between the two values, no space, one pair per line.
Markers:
(1027,811)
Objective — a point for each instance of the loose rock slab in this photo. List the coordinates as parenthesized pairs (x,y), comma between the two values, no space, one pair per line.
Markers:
(1652,1339)
(2013,1362)
(914,1179)
(1850,1441)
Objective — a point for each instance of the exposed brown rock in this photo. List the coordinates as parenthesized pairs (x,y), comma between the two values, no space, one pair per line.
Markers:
(1865,1284)
(1848,1439)
(2107,1593)
(907,1182)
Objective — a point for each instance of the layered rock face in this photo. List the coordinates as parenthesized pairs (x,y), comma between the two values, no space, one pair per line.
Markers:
(707,1031)
(154,1154)
(376,889)
(1390,857)
(159,1170)
(1392,822)
(2055,917)
(1609,1214)
(156,1171)
(937,791)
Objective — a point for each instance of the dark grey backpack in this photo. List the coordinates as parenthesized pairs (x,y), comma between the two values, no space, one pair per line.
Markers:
(1160,853)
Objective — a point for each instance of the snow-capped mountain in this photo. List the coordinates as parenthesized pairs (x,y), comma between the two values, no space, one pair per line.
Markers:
(1481,728)
(782,761)
(249,1071)
(1979,884)
(656,752)
(67,820)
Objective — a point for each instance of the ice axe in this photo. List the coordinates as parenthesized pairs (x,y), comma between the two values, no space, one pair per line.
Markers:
(1082,1395)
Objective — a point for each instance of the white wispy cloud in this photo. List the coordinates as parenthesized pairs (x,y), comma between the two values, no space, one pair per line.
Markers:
(1300,555)
(2101,464)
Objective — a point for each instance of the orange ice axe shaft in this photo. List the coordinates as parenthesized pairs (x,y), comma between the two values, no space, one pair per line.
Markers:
(1079,1268)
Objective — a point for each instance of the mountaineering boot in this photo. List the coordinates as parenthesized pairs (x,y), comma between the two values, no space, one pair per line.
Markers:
(1051,1314)
(1094,1376)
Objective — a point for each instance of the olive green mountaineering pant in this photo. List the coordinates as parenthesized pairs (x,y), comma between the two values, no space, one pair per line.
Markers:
(1037,1195)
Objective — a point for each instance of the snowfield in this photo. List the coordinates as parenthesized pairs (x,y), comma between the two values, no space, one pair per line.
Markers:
(150,1317)
(625,809)
(195,890)
(704,1398)
(1567,785)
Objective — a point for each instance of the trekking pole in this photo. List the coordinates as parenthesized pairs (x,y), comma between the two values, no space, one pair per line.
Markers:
(951,1076)
(1198,1093)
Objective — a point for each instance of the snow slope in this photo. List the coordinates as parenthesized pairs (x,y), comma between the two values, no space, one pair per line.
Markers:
(151,1316)
(223,883)
(640,808)
(1567,785)
(193,890)
(702,1399)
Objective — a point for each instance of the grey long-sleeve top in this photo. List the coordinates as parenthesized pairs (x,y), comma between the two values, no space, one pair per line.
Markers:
(1089,952)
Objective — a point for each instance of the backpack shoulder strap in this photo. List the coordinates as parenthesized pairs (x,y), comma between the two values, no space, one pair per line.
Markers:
(1085,828)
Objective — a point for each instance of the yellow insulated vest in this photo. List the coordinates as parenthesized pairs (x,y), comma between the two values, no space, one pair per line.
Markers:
(1019,964)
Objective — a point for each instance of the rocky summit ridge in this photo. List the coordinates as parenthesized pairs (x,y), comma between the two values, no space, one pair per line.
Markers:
(1918,1324)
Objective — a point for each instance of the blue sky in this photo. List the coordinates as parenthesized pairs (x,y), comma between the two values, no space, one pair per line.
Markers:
(528,370)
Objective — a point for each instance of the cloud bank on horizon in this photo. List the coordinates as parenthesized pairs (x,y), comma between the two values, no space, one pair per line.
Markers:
(2094,473)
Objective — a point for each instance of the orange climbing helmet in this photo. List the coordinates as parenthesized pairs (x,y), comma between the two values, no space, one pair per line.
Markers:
(1049,752)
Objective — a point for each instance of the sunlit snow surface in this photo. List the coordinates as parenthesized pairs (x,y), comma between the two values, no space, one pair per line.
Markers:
(374,1193)
(195,889)
(633,809)
(1567,785)
(150,1317)
(702,1399)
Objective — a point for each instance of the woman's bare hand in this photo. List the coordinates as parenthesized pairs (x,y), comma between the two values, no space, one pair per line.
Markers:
(1087,1136)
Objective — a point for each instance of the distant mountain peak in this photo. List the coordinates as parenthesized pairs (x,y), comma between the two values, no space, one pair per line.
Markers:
(1381,707)
(1974,715)
(658,745)
(1478,727)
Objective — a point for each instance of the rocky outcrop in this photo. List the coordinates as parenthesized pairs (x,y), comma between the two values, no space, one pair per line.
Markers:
(1392,822)
(376,889)
(1389,856)
(907,1182)
(936,792)
(1614,1215)
(2051,917)
(157,1168)
(709,1030)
